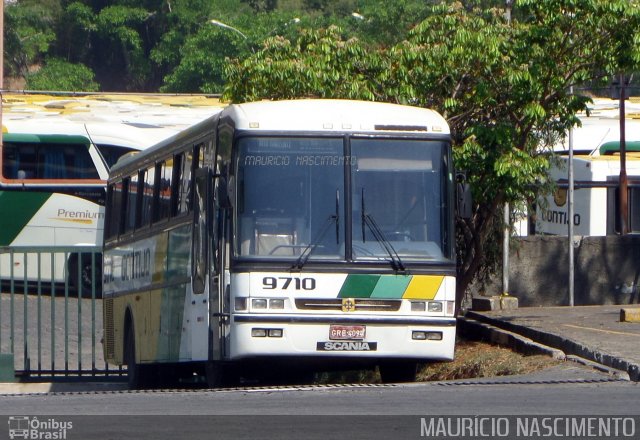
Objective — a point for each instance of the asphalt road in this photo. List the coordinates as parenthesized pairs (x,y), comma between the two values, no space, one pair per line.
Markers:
(350,412)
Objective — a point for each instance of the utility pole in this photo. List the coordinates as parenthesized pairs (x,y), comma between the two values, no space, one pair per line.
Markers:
(624,206)
(506,214)
(571,215)
(1,65)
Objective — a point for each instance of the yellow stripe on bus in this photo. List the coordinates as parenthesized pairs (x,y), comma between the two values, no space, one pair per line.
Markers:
(73,220)
(423,287)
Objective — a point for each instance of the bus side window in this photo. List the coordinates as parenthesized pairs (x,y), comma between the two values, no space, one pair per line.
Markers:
(120,202)
(147,178)
(164,191)
(176,172)
(110,209)
(185,195)
(132,203)
(19,161)
(79,163)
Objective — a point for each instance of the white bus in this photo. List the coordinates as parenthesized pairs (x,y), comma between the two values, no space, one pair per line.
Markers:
(54,166)
(305,233)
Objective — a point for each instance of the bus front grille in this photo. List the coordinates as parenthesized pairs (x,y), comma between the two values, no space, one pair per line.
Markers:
(361,305)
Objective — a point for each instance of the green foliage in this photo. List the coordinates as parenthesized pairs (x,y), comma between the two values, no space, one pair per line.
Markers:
(262,5)
(386,23)
(58,74)
(503,87)
(28,34)
(200,68)
(330,7)
(320,64)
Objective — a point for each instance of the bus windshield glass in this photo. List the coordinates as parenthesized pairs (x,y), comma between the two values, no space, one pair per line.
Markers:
(290,198)
(290,201)
(399,194)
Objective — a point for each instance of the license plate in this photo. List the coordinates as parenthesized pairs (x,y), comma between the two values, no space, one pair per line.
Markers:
(346,332)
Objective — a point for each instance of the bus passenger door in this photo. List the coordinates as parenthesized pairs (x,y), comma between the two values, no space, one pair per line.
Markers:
(218,307)
(200,288)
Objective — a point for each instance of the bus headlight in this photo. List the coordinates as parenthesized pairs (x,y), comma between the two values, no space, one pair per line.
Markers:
(434,306)
(276,303)
(259,303)
(418,306)
(426,336)
(240,304)
(259,332)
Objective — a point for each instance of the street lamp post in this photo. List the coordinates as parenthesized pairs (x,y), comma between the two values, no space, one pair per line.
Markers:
(226,26)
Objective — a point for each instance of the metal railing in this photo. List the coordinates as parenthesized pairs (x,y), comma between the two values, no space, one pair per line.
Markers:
(51,311)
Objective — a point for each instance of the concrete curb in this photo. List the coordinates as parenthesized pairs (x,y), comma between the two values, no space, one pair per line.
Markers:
(7,388)
(567,346)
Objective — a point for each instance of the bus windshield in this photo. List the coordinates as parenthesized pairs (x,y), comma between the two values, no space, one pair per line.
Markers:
(399,193)
(290,198)
(290,201)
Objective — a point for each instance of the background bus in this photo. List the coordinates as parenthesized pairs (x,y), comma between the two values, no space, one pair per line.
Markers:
(313,233)
(55,160)
(596,144)
(596,200)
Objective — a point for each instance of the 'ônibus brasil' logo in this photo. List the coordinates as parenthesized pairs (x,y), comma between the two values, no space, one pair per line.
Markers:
(27,427)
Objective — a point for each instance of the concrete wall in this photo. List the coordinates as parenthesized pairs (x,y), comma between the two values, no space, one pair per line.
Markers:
(607,271)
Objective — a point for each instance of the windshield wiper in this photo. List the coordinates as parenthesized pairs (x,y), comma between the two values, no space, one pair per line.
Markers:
(368,220)
(306,253)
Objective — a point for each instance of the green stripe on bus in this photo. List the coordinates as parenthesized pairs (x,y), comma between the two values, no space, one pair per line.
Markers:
(171,313)
(391,286)
(18,208)
(358,286)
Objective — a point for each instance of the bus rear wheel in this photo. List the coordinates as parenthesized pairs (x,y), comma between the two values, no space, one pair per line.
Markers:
(398,372)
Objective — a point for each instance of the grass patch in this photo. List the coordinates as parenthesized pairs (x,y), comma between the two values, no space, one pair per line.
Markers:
(478,359)
(473,359)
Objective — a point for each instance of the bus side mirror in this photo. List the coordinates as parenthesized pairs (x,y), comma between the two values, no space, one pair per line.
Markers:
(463,197)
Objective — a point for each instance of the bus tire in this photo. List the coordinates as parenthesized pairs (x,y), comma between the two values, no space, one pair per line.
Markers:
(134,370)
(214,374)
(398,372)
(86,279)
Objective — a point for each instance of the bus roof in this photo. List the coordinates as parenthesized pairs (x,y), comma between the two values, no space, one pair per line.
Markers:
(310,115)
(614,147)
(45,138)
(128,120)
(335,115)
(601,125)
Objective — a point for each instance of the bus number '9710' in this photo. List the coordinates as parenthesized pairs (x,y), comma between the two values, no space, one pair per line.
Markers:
(284,283)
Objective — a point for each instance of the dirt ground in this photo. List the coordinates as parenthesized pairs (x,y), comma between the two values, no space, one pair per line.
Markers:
(479,359)
(472,360)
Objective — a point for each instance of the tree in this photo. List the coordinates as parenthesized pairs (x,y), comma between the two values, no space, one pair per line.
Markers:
(503,87)
(58,74)
(28,35)
(200,69)
(317,64)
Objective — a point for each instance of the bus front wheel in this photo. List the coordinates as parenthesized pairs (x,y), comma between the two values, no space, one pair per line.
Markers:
(133,368)
(398,372)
